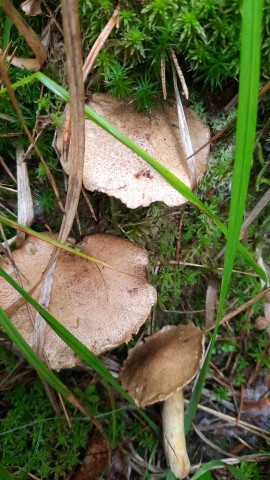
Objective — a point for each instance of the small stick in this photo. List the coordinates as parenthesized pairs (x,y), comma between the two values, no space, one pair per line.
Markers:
(180,74)
(88,201)
(163,77)
(100,42)
(241,308)
(232,420)
(3,163)
(241,403)
(219,134)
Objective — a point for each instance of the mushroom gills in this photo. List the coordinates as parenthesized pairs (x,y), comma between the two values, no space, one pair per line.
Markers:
(174,435)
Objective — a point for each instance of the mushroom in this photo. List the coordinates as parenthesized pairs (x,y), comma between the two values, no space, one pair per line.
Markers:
(101,307)
(112,168)
(157,371)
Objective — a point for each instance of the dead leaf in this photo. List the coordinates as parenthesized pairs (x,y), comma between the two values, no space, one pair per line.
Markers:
(31,7)
(95,460)
(120,466)
(29,35)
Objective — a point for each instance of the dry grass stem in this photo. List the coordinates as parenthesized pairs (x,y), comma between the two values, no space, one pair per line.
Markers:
(211,302)
(15,104)
(88,201)
(90,60)
(4,165)
(25,201)
(179,73)
(211,444)
(265,434)
(234,461)
(183,127)
(31,38)
(163,77)
(219,134)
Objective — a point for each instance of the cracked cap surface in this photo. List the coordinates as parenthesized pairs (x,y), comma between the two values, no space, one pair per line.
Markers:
(101,307)
(112,168)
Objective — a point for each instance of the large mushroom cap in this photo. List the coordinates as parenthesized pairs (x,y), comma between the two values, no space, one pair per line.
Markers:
(100,306)
(165,363)
(112,168)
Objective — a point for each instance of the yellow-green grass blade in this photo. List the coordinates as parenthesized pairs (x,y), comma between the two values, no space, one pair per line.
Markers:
(56,243)
(163,171)
(245,137)
(83,352)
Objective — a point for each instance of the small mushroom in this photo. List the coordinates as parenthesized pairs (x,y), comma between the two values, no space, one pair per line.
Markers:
(156,371)
(111,168)
(99,306)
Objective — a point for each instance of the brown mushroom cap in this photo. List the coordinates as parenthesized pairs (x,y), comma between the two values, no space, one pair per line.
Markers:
(112,168)
(100,306)
(165,363)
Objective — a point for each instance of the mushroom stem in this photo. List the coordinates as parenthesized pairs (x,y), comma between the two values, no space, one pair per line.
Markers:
(174,435)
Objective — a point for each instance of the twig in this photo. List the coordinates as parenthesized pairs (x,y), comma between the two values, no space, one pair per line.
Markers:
(4,165)
(88,201)
(163,77)
(211,444)
(241,403)
(219,134)
(241,308)
(234,461)
(233,421)
(179,73)
(100,42)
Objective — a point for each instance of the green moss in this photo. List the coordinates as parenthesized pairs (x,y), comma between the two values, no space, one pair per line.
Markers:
(205,35)
(34,440)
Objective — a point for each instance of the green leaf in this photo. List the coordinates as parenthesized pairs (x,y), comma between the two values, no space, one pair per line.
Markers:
(245,137)
(4,475)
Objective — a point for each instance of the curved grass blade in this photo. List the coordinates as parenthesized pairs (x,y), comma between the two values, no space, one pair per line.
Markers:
(245,137)
(56,243)
(163,171)
(217,463)
(83,352)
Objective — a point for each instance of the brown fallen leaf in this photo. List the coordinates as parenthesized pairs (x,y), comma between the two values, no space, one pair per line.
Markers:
(31,7)
(95,460)
(120,466)
(29,35)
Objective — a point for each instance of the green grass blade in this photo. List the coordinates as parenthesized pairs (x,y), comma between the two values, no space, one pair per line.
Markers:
(163,171)
(56,243)
(7,29)
(32,358)
(4,475)
(83,352)
(217,463)
(245,137)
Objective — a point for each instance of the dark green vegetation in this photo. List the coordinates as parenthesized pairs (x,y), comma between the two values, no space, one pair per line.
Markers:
(205,35)
(206,41)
